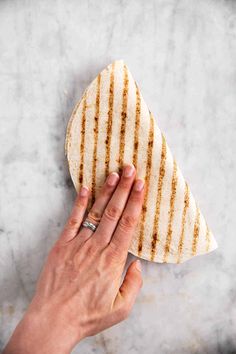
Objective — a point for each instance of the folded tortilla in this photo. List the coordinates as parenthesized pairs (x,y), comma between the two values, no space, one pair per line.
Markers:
(112,126)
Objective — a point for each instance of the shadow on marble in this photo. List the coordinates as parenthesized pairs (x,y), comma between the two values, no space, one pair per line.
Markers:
(227,347)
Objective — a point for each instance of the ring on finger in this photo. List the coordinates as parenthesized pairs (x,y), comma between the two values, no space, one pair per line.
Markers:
(88,224)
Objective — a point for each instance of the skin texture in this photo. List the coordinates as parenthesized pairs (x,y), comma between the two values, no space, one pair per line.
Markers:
(79,292)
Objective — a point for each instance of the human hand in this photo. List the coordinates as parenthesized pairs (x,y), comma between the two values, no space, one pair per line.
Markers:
(79,292)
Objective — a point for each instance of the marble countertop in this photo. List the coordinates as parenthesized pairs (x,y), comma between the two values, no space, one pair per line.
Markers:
(182,54)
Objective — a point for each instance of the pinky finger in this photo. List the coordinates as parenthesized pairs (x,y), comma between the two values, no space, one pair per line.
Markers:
(76,217)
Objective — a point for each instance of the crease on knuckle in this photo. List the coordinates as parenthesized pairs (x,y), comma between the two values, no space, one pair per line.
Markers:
(73,223)
(94,215)
(124,184)
(81,203)
(135,197)
(107,189)
(127,222)
(112,213)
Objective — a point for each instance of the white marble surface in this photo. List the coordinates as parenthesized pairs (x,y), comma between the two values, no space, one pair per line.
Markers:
(183,54)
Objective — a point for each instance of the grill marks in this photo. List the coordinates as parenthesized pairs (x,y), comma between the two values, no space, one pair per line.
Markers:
(82,135)
(136,128)
(109,122)
(196,232)
(207,238)
(123,118)
(171,213)
(96,123)
(155,231)
(147,181)
(181,208)
(181,240)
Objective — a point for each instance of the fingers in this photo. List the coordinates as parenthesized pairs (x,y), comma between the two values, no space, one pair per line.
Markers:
(115,207)
(129,290)
(123,234)
(73,224)
(95,213)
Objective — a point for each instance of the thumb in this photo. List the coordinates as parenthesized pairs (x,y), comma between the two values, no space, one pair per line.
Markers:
(130,288)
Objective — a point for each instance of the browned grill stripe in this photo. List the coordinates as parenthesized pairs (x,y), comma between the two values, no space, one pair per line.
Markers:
(123,117)
(208,240)
(181,240)
(155,231)
(147,182)
(82,142)
(96,123)
(196,232)
(109,121)
(171,213)
(136,128)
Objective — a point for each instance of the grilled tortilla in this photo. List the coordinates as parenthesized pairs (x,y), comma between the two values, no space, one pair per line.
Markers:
(112,126)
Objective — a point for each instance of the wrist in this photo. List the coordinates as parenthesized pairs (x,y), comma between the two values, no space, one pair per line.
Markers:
(39,332)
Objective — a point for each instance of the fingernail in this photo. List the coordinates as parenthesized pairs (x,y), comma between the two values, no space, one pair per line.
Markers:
(112,179)
(139,184)
(83,191)
(138,265)
(128,170)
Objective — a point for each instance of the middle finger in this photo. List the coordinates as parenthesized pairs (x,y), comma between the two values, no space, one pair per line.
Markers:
(115,207)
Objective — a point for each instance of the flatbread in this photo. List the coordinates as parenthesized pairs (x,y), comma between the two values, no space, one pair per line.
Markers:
(112,126)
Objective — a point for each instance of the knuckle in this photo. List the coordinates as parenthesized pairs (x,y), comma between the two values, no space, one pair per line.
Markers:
(81,202)
(124,184)
(127,222)
(73,222)
(124,311)
(94,215)
(107,188)
(57,253)
(112,213)
(91,250)
(136,197)
(140,282)
(113,252)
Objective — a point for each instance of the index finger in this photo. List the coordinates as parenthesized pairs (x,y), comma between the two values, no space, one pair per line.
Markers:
(123,234)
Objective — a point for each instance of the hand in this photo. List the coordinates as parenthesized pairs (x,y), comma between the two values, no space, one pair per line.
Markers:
(79,292)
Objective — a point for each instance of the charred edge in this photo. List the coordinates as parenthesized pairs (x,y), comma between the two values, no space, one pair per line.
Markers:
(123,118)
(147,181)
(96,123)
(171,213)
(155,232)
(196,232)
(136,129)
(71,120)
(109,121)
(186,205)
(207,238)
(82,134)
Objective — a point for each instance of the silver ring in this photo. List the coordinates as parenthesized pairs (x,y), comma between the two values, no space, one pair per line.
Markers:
(89,225)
